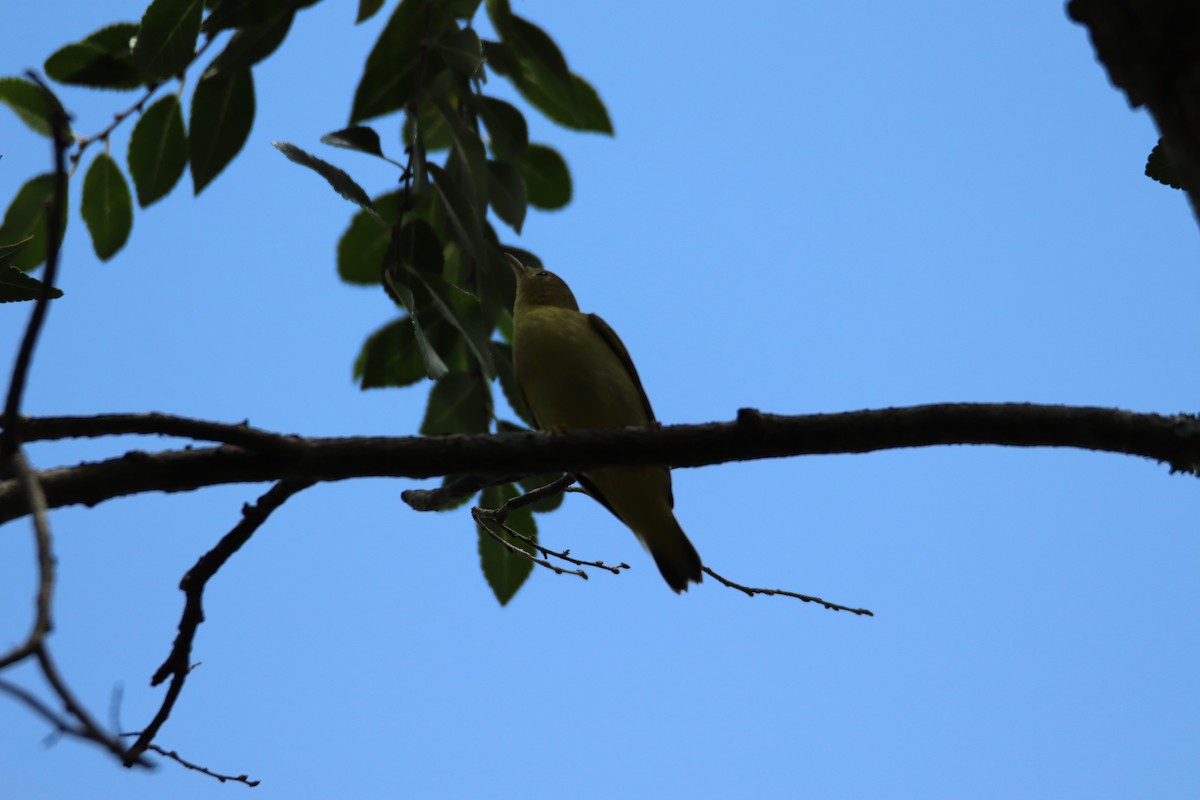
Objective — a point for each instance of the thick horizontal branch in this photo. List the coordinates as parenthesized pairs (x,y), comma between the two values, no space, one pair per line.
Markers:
(1173,440)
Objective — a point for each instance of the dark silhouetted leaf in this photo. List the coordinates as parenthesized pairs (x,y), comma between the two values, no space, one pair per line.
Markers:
(459,403)
(356,137)
(502,356)
(508,133)
(103,60)
(16,285)
(166,40)
(342,183)
(158,150)
(365,243)
(367,9)
(462,214)
(461,50)
(25,217)
(249,13)
(26,99)
(390,357)
(222,115)
(389,80)
(251,45)
(547,179)
(107,206)
(506,192)
(1160,168)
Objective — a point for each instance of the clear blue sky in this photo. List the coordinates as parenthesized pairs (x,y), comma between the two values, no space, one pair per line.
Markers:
(806,208)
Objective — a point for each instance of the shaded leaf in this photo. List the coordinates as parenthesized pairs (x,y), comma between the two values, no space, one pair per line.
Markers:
(252,44)
(547,179)
(459,403)
(249,13)
(389,80)
(26,99)
(538,481)
(470,151)
(462,311)
(16,285)
(158,150)
(435,132)
(356,137)
(508,133)
(419,248)
(364,245)
(390,357)
(221,118)
(25,217)
(394,277)
(107,206)
(367,9)
(461,50)
(166,40)
(1160,168)
(103,60)
(342,183)
(506,572)
(506,193)
(583,110)
(8,252)
(462,214)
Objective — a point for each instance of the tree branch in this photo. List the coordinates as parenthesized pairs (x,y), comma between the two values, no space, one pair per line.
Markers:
(1173,440)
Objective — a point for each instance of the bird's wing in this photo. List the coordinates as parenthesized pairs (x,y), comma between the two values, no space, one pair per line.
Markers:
(610,337)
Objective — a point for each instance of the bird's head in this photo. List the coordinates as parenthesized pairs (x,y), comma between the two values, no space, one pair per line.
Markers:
(537,287)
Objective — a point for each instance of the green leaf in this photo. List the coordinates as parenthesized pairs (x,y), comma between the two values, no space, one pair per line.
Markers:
(9,252)
(470,151)
(502,356)
(390,357)
(1160,168)
(16,285)
(252,44)
(538,481)
(342,183)
(394,277)
(547,179)
(158,150)
(508,133)
(435,132)
(26,99)
(539,71)
(26,216)
(389,80)
(506,571)
(365,244)
(356,137)
(222,115)
(367,9)
(463,9)
(107,206)
(103,60)
(166,40)
(506,192)
(419,248)
(461,50)
(459,403)
(249,13)
(464,313)
(461,212)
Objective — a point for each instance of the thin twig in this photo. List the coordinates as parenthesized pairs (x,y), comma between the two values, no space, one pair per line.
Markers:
(455,491)
(178,759)
(805,597)
(485,522)
(178,662)
(43,621)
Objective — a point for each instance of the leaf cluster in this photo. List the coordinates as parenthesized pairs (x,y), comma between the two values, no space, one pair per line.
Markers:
(431,244)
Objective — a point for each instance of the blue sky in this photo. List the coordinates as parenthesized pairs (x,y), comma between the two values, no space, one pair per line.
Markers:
(806,208)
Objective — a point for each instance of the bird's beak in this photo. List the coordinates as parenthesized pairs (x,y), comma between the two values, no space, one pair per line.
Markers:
(517,267)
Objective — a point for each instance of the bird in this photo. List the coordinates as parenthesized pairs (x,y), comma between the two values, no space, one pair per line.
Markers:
(573,372)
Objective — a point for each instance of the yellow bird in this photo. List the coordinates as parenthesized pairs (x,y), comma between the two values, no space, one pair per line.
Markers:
(573,372)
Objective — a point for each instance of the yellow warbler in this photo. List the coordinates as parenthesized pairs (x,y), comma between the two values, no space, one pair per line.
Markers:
(573,372)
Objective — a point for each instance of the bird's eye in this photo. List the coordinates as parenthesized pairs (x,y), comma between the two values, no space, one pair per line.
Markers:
(542,274)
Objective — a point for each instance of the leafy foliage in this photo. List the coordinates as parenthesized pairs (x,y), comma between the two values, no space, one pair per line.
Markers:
(431,245)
